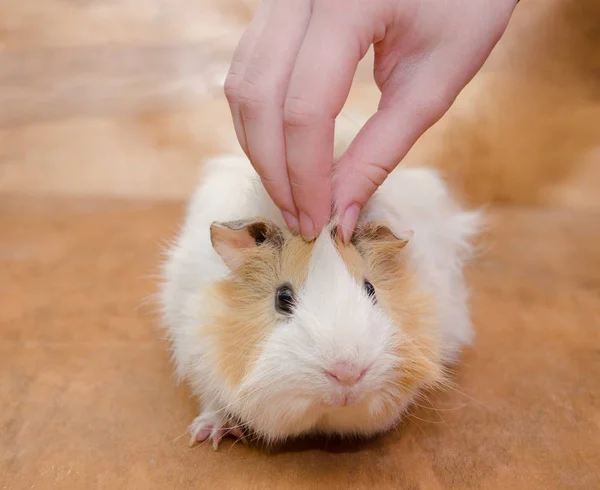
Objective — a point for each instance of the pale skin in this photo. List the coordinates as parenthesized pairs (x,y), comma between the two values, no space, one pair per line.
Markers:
(291,75)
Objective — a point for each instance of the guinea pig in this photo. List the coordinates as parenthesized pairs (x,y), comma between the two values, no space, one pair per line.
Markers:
(282,338)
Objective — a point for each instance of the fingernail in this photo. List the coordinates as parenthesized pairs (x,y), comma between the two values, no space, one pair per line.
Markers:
(291,221)
(307,227)
(348,222)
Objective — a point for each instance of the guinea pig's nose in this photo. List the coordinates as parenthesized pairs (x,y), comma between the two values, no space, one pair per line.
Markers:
(346,373)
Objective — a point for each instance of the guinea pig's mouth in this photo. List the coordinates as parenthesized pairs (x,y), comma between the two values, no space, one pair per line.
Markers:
(343,398)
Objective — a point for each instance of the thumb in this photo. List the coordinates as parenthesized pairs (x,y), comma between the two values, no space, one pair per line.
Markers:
(377,149)
(417,92)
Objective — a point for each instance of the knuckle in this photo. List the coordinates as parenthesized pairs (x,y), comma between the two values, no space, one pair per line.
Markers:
(299,112)
(231,87)
(436,105)
(376,174)
(252,98)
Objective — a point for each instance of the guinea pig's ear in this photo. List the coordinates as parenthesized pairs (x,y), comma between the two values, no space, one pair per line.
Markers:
(233,238)
(380,237)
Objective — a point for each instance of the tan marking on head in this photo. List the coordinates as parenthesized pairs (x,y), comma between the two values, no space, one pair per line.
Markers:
(243,303)
(352,259)
(295,259)
(399,294)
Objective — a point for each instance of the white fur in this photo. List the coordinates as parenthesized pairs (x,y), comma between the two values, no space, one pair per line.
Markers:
(286,391)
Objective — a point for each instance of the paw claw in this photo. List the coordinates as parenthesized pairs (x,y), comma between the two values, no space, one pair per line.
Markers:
(217,437)
(205,427)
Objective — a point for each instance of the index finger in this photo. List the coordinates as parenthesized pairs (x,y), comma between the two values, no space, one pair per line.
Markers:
(318,88)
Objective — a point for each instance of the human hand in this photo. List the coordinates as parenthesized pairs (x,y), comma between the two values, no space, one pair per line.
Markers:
(292,72)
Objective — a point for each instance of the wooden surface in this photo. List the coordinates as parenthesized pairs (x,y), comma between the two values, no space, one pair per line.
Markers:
(107,109)
(89,400)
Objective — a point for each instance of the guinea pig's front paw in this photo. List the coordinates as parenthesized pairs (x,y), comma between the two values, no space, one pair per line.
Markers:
(211,425)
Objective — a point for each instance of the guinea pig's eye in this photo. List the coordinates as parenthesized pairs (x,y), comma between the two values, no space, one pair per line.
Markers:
(370,290)
(284,300)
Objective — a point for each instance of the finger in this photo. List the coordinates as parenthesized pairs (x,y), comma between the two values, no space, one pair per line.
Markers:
(262,95)
(410,104)
(241,57)
(421,87)
(374,153)
(318,88)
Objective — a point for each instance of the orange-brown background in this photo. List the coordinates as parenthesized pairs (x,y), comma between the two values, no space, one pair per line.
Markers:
(107,109)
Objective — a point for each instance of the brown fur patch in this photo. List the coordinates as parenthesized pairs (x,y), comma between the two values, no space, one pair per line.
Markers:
(352,259)
(400,296)
(245,314)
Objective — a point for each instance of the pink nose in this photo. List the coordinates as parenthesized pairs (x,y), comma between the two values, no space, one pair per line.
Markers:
(346,373)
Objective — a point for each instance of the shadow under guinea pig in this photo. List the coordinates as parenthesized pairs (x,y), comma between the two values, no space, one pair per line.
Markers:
(328,444)
(331,443)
